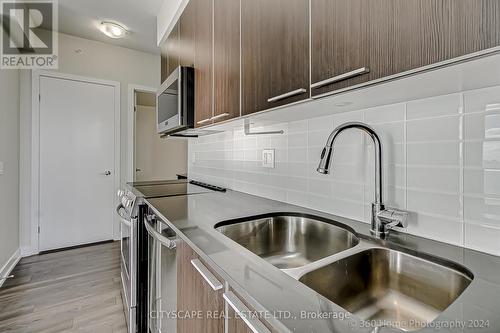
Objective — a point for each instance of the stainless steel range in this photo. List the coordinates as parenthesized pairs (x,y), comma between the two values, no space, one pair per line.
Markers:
(129,254)
(135,243)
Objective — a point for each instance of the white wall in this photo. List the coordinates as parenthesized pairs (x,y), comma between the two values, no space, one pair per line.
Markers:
(168,13)
(9,155)
(97,60)
(442,163)
(158,158)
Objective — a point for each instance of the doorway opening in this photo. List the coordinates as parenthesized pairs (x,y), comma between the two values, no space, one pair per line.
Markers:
(154,158)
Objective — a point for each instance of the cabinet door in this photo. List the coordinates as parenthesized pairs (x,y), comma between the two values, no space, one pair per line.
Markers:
(275,53)
(226,59)
(203,56)
(187,25)
(163,62)
(196,295)
(355,41)
(172,51)
(340,41)
(237,307)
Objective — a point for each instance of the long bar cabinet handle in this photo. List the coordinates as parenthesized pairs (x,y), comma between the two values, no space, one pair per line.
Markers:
(204,121)
(207,275)
(219,116)
(341,77)
(286,95)
(255,325)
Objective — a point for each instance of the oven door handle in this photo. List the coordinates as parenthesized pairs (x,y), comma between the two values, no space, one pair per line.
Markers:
(122,218)
(165,241)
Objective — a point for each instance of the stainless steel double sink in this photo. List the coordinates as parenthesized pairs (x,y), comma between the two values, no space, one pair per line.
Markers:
(373,282)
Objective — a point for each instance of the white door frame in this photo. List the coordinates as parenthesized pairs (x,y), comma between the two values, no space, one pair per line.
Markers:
(132,89)
(35,147)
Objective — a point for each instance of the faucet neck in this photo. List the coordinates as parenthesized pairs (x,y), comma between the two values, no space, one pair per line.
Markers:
(377,147)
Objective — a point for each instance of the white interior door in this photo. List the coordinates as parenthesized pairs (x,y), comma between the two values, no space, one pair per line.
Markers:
(76,193)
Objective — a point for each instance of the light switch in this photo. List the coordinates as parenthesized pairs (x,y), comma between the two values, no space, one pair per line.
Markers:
(1,168)
(268,158)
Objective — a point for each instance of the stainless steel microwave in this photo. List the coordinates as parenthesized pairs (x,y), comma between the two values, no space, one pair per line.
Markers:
(175,102)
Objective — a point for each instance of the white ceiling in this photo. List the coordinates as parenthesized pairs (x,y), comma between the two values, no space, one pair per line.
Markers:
(82,17)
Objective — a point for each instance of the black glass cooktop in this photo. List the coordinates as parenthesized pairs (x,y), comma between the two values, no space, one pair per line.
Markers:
(170,189)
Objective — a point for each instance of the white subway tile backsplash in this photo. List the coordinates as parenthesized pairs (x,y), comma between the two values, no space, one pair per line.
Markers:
(321,123)
(482,181)
(434,154)
(297,126)
(434,179)
(391,132)
(340,118)
(441,160)
(446,205)
(297,139)
(438,228)
(473,154)
(434,107)
(385,114)
(482,210)
(483,238)
(433,129)
(348,191)
(297,154)
(317,138)
(480,126)
(482,99)
(491,154)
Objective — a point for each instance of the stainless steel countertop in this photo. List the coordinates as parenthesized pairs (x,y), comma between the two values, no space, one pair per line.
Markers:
(285,300)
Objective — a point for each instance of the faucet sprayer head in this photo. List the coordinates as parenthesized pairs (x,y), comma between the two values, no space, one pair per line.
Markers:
(324,163)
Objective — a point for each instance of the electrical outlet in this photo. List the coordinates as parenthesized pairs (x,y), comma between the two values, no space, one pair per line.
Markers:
(268,158)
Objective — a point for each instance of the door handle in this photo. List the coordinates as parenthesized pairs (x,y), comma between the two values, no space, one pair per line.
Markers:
(138,170)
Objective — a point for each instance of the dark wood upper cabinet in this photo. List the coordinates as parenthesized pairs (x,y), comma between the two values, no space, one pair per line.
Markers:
(187,25)
(355,41)
(226,59)
(203,68)
(163,63)
(195,294)
(172,50)
(274,53)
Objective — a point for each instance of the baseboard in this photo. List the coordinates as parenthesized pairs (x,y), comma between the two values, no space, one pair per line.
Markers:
(9,265)
(27,251)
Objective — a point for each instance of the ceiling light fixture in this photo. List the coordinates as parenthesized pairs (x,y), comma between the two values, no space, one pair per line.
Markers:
(112,30)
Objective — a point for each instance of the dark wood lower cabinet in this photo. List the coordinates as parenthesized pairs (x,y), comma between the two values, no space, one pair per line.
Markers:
(236,324)
(195,295)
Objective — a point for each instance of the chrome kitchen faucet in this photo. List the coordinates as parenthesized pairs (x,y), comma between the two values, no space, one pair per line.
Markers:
(382,219)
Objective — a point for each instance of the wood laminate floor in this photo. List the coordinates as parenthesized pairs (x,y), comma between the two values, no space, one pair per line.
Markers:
(77,290)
